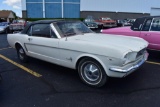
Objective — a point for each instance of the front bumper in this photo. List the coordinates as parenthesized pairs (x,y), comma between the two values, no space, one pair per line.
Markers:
(127,69)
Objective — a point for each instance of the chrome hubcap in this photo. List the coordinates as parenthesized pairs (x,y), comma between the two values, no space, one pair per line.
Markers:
(21,53)
(91,72)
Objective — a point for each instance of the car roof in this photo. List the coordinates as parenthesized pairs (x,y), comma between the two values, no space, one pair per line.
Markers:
(42,22)
(141,20)
(149,17)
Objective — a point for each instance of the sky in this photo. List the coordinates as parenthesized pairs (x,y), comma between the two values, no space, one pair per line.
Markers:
(14,5)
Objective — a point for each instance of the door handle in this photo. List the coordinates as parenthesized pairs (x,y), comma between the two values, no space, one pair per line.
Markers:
(29,39)
(147,34)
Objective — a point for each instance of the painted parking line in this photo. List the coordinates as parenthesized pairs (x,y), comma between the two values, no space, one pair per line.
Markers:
(5,48)
(21,66)
(155,63)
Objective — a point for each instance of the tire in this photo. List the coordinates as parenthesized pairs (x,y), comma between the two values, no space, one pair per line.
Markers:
(88,73)
(21,54)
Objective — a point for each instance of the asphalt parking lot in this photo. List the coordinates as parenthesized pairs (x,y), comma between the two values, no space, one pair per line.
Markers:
(41,84)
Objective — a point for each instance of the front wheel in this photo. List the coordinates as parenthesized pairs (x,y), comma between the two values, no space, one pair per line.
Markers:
(21,54)
(92,73)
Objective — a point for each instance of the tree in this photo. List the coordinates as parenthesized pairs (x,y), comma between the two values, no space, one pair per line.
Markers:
(14,14)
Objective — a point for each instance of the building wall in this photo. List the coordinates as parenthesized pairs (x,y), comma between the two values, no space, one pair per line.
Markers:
(71,11)
(51,8)
(113,15)
(128,6)
(82,8)
(34,10)
(117,9)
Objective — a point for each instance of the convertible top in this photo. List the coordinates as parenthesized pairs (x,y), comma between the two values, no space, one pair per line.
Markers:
(146,17)
(141,20)
(24,31)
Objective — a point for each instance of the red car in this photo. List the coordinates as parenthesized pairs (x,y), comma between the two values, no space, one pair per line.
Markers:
(17,25)
(107,22)
(147,28)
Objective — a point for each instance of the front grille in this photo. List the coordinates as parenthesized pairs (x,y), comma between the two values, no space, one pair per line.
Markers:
(140,53)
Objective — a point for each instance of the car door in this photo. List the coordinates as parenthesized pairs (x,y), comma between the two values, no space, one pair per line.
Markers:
(151,33)
(42,43)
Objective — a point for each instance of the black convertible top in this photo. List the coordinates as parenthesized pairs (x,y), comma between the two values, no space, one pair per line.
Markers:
(24,31)
(141,20)
(146,17)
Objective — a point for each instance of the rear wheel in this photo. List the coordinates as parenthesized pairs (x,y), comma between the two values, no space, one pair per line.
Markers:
(92,73)
(21,54)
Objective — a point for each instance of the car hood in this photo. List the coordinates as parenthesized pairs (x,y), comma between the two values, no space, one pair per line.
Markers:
(122,43)
(118,29)
(124,29)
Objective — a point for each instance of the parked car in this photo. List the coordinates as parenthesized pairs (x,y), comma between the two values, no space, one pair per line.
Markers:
(4,27)
(17,25)
(147,28)
(129,22)
(72,44)
(91,23)
(107,22)
(120,23)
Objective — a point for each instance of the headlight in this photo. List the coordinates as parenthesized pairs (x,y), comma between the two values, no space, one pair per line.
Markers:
(129,57)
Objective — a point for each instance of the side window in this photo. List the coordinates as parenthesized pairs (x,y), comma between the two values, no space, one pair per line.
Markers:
(146,25)
(155,25)
(41,30)
(29,32)
(137,24)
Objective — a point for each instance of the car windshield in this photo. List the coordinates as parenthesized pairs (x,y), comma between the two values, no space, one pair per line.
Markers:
(71,28)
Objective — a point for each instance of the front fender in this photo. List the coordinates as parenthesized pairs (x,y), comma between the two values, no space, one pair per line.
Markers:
(103,60)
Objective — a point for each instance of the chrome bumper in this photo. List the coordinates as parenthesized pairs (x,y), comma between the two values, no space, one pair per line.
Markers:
(132,68)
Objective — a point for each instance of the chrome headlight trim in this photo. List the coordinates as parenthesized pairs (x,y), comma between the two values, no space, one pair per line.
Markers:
(129,57)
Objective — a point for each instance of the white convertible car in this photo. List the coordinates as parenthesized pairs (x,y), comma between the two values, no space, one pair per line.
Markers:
(71,44)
